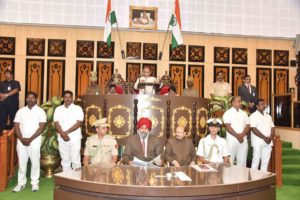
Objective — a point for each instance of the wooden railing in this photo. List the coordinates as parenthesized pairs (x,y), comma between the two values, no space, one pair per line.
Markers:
(7,157)
(275,165)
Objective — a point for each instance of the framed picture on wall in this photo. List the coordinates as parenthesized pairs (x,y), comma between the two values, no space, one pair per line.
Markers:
(143,17)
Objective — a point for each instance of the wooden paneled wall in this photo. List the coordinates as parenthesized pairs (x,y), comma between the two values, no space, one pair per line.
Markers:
(82,45)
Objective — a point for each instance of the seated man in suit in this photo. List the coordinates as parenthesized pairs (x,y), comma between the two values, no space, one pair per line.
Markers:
(213,148)
(143,148)
(248,93)
(180,150)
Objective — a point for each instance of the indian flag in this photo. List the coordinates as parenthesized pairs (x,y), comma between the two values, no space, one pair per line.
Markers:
(110,19)
(175,22)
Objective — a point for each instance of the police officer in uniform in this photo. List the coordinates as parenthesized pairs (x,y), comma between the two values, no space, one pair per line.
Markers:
(100,147)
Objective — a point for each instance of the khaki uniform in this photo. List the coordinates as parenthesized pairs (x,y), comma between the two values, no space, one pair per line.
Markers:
(220,89)
(181,150)
(190,92)
(101,150)
(93,90)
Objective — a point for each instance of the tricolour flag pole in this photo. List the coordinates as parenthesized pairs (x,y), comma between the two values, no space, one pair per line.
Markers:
(110,20)
(175,22)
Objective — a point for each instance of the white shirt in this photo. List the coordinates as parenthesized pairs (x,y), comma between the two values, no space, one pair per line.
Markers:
(213,150)
(67,117)
(263,122)
(30,120)
(148,89)
(238,121)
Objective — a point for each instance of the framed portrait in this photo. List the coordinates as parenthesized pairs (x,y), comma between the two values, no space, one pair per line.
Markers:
(143,17)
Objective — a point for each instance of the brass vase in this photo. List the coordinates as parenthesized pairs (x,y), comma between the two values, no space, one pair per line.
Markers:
(49,164)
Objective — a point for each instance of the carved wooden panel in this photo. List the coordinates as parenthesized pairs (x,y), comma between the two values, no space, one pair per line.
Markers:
(197,73)
(281,58)
(57,48)
(55,78)
(225,70)
(263,84)
(7,45)
(238,74)
(239,56)
(105,71)
(264,57)
(134,50)
(85,49)
(178,53)
(177,73)
(150,51)
(133,70)
(153,68)
(35,77)
(281,81)
(196,53)
(104,51)
(35,47)
(83,69)
(6,64)
(221,55)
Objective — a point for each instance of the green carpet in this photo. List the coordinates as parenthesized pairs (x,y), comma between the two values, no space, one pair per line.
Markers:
(290,165)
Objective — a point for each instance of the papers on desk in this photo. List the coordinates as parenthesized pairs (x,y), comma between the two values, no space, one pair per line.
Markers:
(182,176)
(204,168)
(155,162)
(139,162)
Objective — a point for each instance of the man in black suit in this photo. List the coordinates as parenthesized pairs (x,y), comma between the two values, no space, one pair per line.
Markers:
(248,92)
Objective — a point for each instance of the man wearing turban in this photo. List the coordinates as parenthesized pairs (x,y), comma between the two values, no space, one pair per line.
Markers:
(142,148)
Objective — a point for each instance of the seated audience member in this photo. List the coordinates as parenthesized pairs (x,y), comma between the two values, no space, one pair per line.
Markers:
(100,147)
(143,148)
(180,150)
(213,148)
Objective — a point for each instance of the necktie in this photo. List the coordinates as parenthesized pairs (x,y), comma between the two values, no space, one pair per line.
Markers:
(143,145)
(249,89)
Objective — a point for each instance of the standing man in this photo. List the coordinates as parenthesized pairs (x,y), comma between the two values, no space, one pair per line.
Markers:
(248,93)
(237,128)
(146,78)
(68,120)
(220,87)
(9,100)
(213,148)
(180,150)
(190,91)
(142,148)
(100,147)
(29,123)
(262,136)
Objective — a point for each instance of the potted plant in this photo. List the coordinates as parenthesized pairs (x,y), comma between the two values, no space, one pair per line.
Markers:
(50,158)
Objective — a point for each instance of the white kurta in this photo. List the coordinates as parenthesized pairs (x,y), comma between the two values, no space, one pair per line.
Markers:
(261,150)
(213,150)
(70,150)
(29,120)
(148,89)
(238,120)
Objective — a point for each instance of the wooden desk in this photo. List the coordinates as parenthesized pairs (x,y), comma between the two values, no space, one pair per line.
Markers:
(128,182)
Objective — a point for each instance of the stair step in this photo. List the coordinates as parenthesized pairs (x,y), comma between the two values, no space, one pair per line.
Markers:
(291,179)
(291,169)
(286,144)
(292,159)
(289,151)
